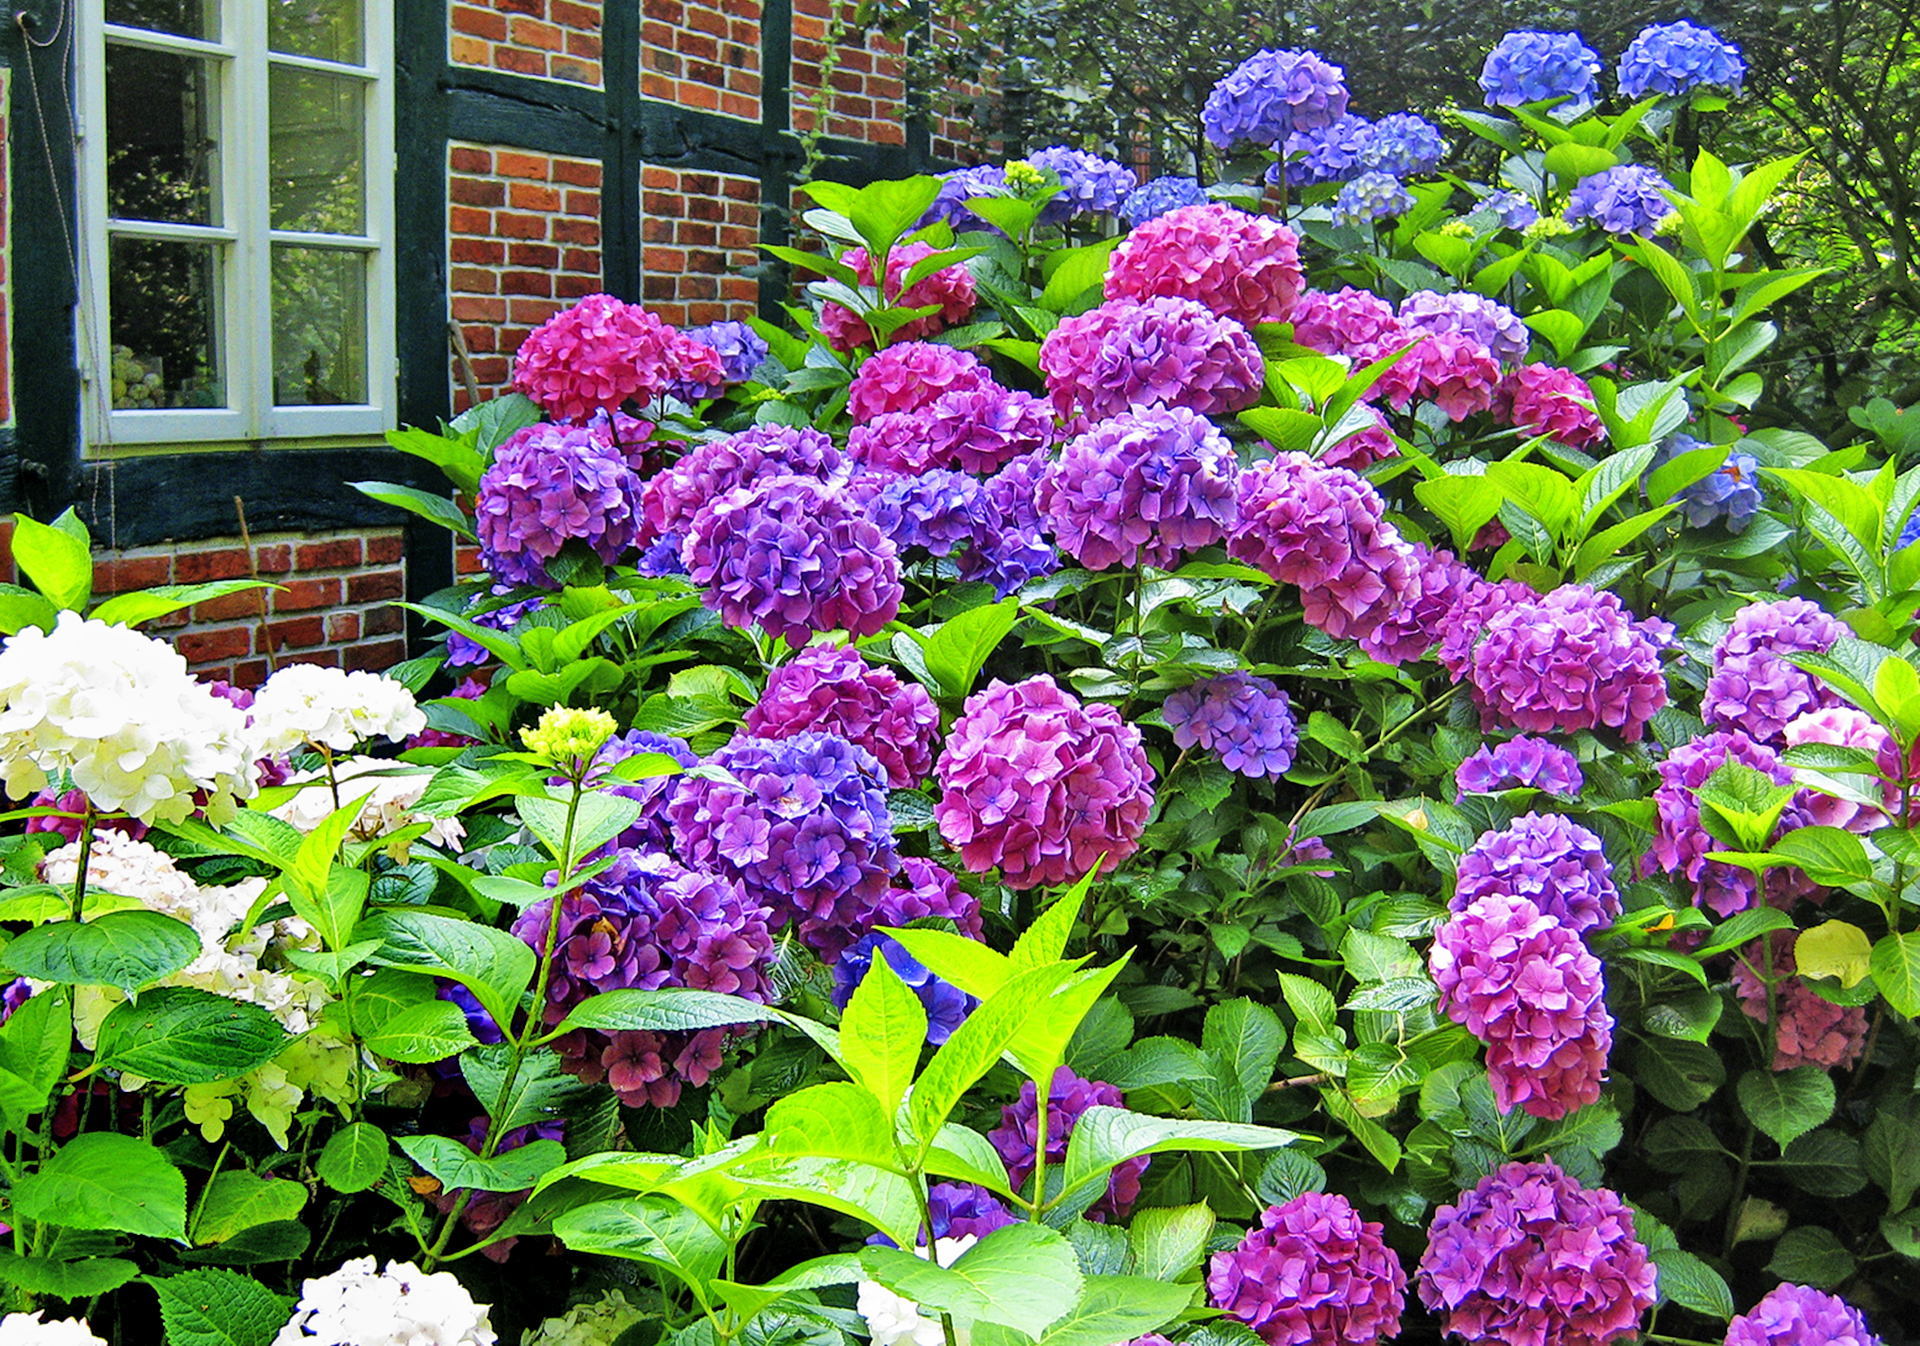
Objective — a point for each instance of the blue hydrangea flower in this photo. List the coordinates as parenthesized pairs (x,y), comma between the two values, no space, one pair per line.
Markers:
(740,348)
(1272,94)
(1330,153)
(1731,494)
(1677,58)
(1089,185)
(1514,210)
(938,510)
(1629,199)
(1155,198)
(1369,197)
(462,650)
(959,186)
(1404,145)
(661,557)
(1246,720)
(1909,534)
(1527,66)
(947,1005)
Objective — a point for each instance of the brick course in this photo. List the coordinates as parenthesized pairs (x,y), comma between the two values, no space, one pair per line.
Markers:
(868,82)
(546,39)
(700,231)
(702,54)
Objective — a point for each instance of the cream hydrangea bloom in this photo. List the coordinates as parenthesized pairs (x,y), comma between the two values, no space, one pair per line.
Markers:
(391,789)
(118,712)
(401,1306)
(26,1329)
(334,709)
(895,1320)
(593,1324)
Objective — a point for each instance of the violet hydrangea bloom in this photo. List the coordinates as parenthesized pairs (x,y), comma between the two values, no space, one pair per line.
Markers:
(1799,1315)
(1165,350)
(1244,267)
(1573,659)
(1272,94)
(805,830)
(925,891)
(1246,720)
(605,926)
(949,290)
(911,375)
(1676,59)
(1529,1255)
(549,485)
(1528,66)
(670,499)
(831,689)
(1542,399)
(795,557)
(595,356)
(1041,786)
(1752,686)
(1089,185)
(1730,493)
(1322,528)
(1312,1271)
(649,831)
(1680,841)
(1373,195)
(1017,1137)
(1011,549)
(959,186)
(1157,196)
(1809,1029)
(958,1209)
(1553,862)
(1629,199)
(1521,762)
(947,1006)
(937,511)
(462,650)
(1511,209)
(1330,153)
(741,351)
(1142,488)
(1405,145)
(1465,624)
(1493,325)
(1420,619)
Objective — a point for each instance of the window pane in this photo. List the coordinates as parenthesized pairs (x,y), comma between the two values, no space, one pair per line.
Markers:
(318,148)
(328,30)
(163,307)
(163,153)
(319,326)
(184,18)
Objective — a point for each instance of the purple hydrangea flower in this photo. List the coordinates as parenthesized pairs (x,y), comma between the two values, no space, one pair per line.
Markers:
(806,829)
(1676,59)
(549,485)
(1493,325)
(1010,549)
(1166,350)
(1554,863)
(1369,197)
(909,375)
(1752,686)
(1573,659)
(1405,145)
(1017,1137)
(1522,762)
(670,499)
(959,186)
(1529,1255)
(1144,488)
(605,932)
(1514,210)
(660,558)
(797,558)
(1089,185)
(1629,199)
(649,830)
(1680,841)
(1157,196)
(926,892)
(1527,66)
(958,1209)
(1311,1271)
(1420,620)
(1246,720)
(982,428)
(1730,493)
(1330,153)
(831,689)
(1799,1315)
(937,511)
(462,650)
(1465,624)
(1347,321)
(1272,94)
(741,351)
(480,1023)
(17,993)
(947,1006)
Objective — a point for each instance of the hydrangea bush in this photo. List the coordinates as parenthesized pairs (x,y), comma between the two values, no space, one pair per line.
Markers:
(1261,755)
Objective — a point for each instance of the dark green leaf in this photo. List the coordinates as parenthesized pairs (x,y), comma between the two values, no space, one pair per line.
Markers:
(183,1035)
(125,949)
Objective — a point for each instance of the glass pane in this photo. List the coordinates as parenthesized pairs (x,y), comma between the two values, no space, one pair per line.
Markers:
(163,319)
(163,127)
(184,18)
(328,30)
(319,326)
(318,147)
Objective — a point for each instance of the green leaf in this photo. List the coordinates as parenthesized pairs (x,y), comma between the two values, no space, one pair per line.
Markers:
(877,1196)
(1788,1103)
(100,1180)
(1681,1144)
(1024,1277)
(1682,1075)
(1560,327)
(494,965)
(599,818)
(257,1245)
(1812,1256)
(1825,1163)
(881,1033)
(656,1230)
(125,949)
(421,1034)
(236,1199)
(837,1120)
(1246,1039)
(458,1167)
(538,1090)
(143,606)
(354,1159)
(1692,1284)
(976,1045)
(960,648)
(1896,971)
(210,1307)
(80,1278)
(670,1010)
(1834,949)
(59,563)
(184,1035)
(1168,1241)
(1117,1309)
(1831,856)
(1106,1137)
(1690,1014)
(1890,1149)
(438,509)
(35,1043)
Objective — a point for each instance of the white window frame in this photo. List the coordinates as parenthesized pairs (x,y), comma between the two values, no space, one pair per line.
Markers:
(242,65)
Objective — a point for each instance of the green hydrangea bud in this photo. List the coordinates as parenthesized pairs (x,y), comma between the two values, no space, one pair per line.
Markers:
(595,1324)
(568,735)
(1457,229)
(1547,226)
(1022,177)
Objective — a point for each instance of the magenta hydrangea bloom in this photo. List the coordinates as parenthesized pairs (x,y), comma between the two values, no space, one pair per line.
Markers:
(1358,451)
(1017,1137)
(1312,1271)
(1246,720)
(1043,787)
(1573,659)
(1680,843)
(1322,528)
(830,689)
(894,441)
(797,558)
(1420,619)
(670,499)
(806,829)
(740,349)
(983,428)
(950,288)
(549,485)
(1450,369)
(1142,488)
(909,376)
(1522,762)
(1346,322)
(1544,400)
(921,891)
(1529,1255)
(1553,862)
(1494,326)
(1799,1315)
(1524,984)
(1466,622)
(1809,1030)
(1845,727)
(1244,267)
(1165,350)
(1753,687)
(649,831)
(596,356)
(1272,94)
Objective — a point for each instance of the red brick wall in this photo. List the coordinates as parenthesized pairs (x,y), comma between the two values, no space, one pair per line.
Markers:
(702,54)
(6,277)
(700,231)
(548,39)
(523,242)
(868,82)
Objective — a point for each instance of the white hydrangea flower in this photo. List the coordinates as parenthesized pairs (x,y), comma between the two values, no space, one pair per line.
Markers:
(594,1324)
(391,789)
(304,703)
(894,1320)
(26,1329)
(401,1306)
(119,713)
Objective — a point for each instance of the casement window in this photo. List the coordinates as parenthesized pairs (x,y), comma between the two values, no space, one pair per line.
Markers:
(236,165)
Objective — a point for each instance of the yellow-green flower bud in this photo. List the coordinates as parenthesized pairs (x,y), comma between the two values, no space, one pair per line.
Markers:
(568,735)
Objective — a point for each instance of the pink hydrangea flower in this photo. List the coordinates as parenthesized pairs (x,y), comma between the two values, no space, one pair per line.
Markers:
(1809,1030)
(1573,659)
(1043,787)
(1843,726)
(595,356)
(1452,370)
(911,375)
(949,287)
(1420,619)
(1312,1271)
(1466,622)
(1752,686)
(1345,322)
(1245,267)
(1544,400)
(1166,350)
(982,429)
(1144,487)
(830,689)
(1359,451)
